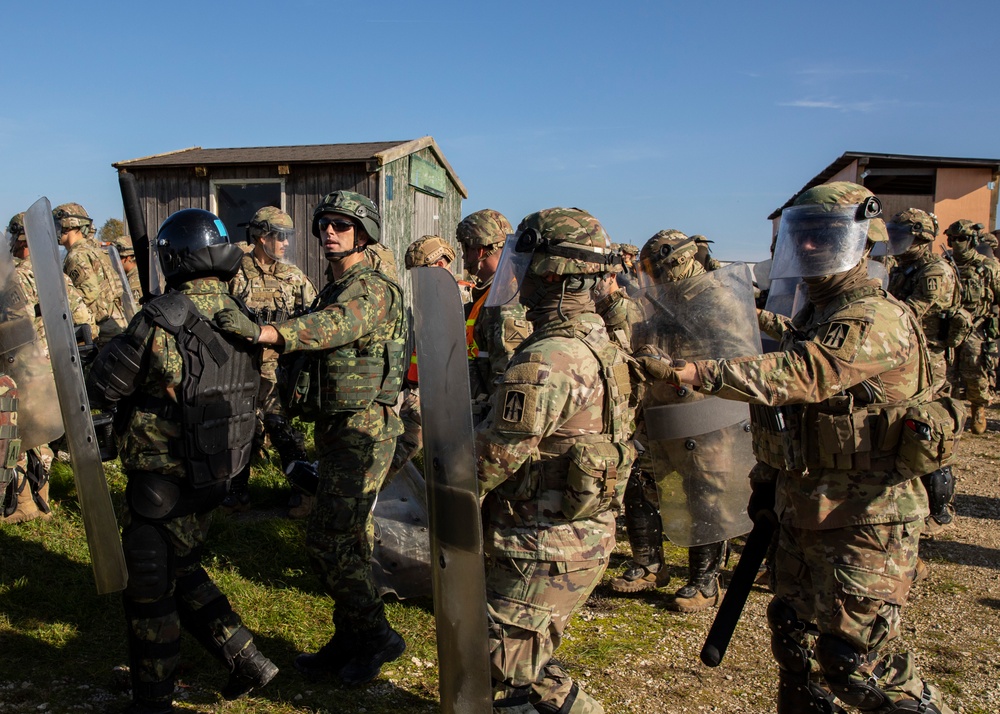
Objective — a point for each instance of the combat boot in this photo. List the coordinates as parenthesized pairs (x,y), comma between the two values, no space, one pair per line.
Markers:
(26,509)
(702,590)
(646,571)
(978,419)
(251,670)
(798,695)
(330,658)
(376,647)
(238,498)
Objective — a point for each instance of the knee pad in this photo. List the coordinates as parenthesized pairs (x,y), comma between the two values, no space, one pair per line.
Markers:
(152,497)
(840,661)
(149,558)
(785,626)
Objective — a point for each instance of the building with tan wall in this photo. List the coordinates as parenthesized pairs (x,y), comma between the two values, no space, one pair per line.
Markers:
(949,187)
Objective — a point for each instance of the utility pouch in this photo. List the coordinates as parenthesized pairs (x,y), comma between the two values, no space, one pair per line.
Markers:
(592,478)
(297,386)
(928,437)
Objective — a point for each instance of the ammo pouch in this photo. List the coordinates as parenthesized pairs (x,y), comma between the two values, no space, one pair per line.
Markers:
(838,435)
(991,328)
(296,372)
(960,326)
(929,435)
(592,477)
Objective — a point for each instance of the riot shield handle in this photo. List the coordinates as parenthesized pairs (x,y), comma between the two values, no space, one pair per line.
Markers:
(136,227)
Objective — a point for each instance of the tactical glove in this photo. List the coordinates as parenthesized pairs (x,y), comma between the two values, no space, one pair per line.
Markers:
(232,320)
(658,364)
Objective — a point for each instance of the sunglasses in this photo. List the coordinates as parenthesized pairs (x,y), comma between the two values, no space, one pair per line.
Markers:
(339,224)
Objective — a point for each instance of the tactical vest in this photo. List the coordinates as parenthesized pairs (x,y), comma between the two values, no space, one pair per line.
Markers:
(977,296)
(850,431)
(217,397)
(264,293)
(353,377)
(582,476)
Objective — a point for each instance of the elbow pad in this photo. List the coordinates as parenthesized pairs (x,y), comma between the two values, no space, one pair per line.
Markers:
(115,373)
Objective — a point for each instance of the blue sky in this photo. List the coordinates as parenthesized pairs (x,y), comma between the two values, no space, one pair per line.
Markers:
(699,116)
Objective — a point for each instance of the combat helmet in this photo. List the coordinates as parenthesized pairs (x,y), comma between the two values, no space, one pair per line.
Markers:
(964,229)
(15,230)
(73,215)
(564,241)
(486,228)
(193,243)
(426,251)
(123,244)
(666,254)
(910,227)
(827,230)
(269,220)
(360,209)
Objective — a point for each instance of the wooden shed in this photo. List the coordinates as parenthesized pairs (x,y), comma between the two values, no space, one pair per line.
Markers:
(949,187)
(416,189)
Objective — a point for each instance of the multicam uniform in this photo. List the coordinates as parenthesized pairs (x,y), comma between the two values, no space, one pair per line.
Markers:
(82,314)
(354,338)
(91,272)
(553,458)
(928,285)
(273,293)
(977,356)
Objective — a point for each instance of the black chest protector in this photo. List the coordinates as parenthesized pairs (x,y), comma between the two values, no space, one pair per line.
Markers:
(217,395)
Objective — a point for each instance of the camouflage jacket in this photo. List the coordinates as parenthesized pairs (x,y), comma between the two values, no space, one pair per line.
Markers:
(493,334)
(551,397)
(81,313)
(274,293)
(352,312)
(134,285)
(146,441)
(980,281)
(862,350)
(92,274)
(929,287)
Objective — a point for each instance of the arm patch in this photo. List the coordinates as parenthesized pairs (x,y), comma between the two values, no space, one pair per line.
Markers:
(517,405)
(843,338)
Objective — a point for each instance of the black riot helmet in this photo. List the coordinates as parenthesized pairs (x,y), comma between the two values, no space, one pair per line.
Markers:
(193,243)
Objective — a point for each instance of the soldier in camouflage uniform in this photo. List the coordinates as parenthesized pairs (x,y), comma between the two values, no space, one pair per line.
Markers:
(274,290)
(980,282)
(14,502)
(352,347)
(123,244)
(927,283)
(186,392)
(552,459)
(704,255)
(36,463)
(670,257)
(493,332)
(849,518)
(90,270)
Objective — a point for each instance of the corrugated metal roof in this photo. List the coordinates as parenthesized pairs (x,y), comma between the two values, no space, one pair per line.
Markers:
(311,154)
(888,161)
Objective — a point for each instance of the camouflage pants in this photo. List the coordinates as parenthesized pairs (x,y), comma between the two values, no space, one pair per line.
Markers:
(187,598)
(941,386)
(340,530)
(850,583)
(530,603)
(977,361)
(411,440)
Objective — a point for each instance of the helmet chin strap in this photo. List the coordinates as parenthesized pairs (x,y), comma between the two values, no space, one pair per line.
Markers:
(341,254)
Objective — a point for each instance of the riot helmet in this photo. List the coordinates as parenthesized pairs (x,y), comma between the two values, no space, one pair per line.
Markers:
(69,216)
(272,229)
(193,243)
(428,250)
(911,227)
(567,243)
(827,230)
(667,257)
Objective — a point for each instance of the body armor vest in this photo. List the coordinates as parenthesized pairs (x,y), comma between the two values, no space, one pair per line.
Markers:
(265,294)
(217,396)
(905,280)
(977,296)
(353,377)
(581,476)
(850,431)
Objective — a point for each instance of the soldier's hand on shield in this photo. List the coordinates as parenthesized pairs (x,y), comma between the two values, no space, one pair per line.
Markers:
(658,363)
(232,320)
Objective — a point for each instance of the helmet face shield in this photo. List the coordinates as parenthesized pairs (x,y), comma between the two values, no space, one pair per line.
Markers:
(901,237)
(817,240)
(511,269)
(277,243)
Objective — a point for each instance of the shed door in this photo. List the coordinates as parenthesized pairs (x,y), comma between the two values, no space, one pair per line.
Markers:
(426,215)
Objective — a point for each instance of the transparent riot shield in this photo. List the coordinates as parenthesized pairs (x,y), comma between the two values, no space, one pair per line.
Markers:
(401,560)
(26,361)
(458,572)
(128,300)
(700,445)
(99,519)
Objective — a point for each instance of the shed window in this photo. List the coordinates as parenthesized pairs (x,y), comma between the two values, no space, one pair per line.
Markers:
(237,202)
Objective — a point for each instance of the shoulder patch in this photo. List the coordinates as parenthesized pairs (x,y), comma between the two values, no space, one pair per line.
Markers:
(517,409)
(513,406)
(932,283)
(843,338)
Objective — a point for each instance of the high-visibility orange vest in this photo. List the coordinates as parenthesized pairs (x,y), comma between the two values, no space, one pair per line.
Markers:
(411,373)
(470,324)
